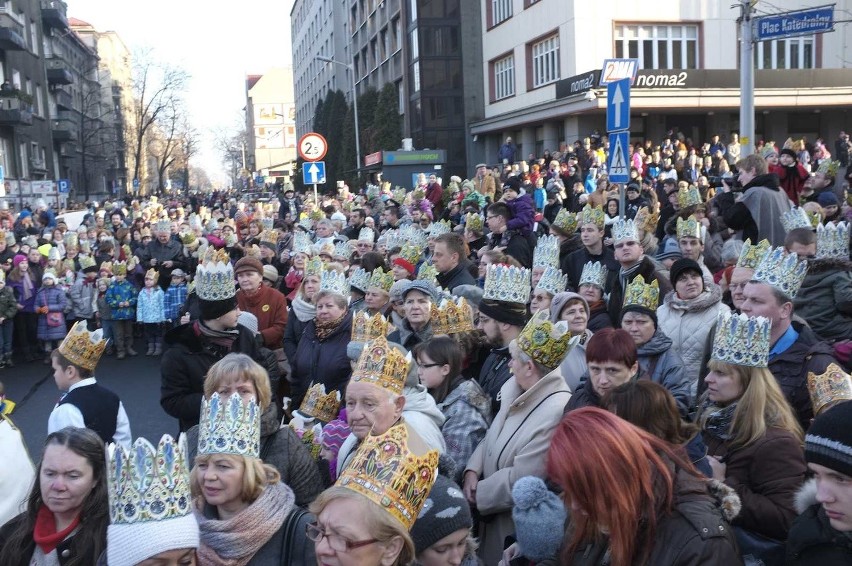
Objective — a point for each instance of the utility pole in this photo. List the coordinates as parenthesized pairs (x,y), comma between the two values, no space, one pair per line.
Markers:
(746,78)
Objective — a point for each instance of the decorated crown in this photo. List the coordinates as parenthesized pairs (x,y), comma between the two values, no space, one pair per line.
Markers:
(742,340)
(324,248)
(687,196)
(106,266)
(592,215)
(393,238)
(87,262)
(302,243)
(306,223)
(428,272)
(782,270)
(367,234)
(546,343)
(381,279)
(83,348)
(624,230)
(594,273)
(147,483)
(383,366)
(342,249)
(229,426)
(828,168)
(507,283)
(269,237)
(214,278)
(473,222)
(437,228)
(71,239)
(410,253)
(794,218)
(152,274)
(552,281)
(566,221)
(334,281)
(385,471)
(319,405)
(414,234)
(546,252)
(316,215)
(360,279)
(830,387)
(752,255)
(638,293)
(163,226)
(398,194)
(119,268)
(314,266)
(452,317)
(366,327)
(689,228)
(647,220)
(188,238)
(267,223)
(833,241)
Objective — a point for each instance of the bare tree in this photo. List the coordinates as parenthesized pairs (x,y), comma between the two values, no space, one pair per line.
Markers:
(232,144)
(98,137)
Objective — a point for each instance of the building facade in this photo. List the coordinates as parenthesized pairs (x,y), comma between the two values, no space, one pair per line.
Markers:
(271,123)
(542,62)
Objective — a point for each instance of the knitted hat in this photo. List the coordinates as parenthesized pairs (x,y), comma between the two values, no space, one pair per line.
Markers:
(681,266)
(445,512)
(560,300)
(248,320)
(828,198)
(211,310)
(248,264)
(18,259)
(788,151)
(270,273)
(539,516)
(505,312)
(472,293)
(670,250)
(829,440)
(335,433)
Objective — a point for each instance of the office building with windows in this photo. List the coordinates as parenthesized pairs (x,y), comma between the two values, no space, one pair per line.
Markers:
(543,59)
(271,124)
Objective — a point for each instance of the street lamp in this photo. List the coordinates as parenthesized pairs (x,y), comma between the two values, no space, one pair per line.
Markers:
(351,70)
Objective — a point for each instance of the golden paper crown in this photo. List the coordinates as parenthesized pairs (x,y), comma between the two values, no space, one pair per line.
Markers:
(473,222)
(752,255)
(316,215)
(302,243)
(83,348)
(592,215)
(319,404)
(366,327)
(188,238)
(398,194)
(385,471)
(106,266)
(452,317)
(334,281)
(639,293)
(119,268)
(71,239)
(594,273)
(148,484)
(152,274)
(796,217)
(782,270)
(325,248)
(428,272)
(214,278)
(383,366)
(546,252)
(687,196)
(566,221)
(252,251)
(741,340)
(229,426)
(833,241)
(87,262)
(689,228)
(381,279)
(410,253)
(828,168)
(145,232)
(314,266)
(647,220)
(830,387)
(269,237)
(624,230)
(552,280)
(546,343)
(507,283)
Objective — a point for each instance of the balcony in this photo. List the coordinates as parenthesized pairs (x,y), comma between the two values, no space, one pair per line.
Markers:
(64,100)
(67,150)
(58,71)
(37,165)
(53,14)
(11,32)
(64,127)
(15,112)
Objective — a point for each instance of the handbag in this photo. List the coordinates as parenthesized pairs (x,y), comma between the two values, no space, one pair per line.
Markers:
(759,550)
(55,319)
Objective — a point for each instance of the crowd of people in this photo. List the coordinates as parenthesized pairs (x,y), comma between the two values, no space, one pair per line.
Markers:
(529,366)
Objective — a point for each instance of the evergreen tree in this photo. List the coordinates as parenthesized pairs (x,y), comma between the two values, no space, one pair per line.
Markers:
(347,148)
(319,120)
(337,107)
(386,123)
(366,113)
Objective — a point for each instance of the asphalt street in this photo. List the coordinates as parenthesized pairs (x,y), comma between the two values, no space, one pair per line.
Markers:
(135,380)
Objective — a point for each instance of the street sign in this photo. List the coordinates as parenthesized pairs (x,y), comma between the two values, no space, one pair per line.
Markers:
(312,147)
(313,173)
(135,183)
(618,105)
(791,24)
(619,164)
(63,185)
(617,69)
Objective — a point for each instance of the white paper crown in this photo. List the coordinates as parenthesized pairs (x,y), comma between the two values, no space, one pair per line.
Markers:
(552,281)
(163,226)
(334,282)
(214,278)
(794,218)
(624,230)
(360,279)
(367,235)
(782,270)
(437,228)
(229,426)
(507,283)
(594,273)
(833,241)
(742,340)
(343,250)
(546,253)
(302,243)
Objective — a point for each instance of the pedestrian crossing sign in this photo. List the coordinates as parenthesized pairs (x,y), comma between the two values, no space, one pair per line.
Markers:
(619,164)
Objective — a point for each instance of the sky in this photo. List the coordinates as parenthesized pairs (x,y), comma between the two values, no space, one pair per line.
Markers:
(217,42)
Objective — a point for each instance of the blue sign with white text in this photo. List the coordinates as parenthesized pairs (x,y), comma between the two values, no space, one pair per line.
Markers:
(313,172)
(618,105)
(63,185)
(791,24)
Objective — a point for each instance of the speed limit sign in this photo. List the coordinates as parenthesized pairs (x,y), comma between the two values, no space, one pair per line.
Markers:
(312,147)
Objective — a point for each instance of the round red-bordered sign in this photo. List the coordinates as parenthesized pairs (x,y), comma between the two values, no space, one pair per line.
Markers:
(312,147)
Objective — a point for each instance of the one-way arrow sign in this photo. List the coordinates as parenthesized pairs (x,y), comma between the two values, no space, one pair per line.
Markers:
(618,105)
(314,172)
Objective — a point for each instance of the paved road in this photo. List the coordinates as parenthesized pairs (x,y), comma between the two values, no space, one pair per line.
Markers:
(135,380)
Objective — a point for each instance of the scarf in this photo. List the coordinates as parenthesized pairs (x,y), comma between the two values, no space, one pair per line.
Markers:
(324,329)
(45,534)
(627,275)
(219,337)
(27,285)
(234,541)
(303,310)
(718,419)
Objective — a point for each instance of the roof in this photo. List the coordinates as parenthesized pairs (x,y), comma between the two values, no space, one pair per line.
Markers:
(251,80)
(78,23)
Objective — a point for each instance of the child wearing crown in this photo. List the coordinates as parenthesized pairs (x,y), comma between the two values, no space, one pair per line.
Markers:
(121,297)
(150,312)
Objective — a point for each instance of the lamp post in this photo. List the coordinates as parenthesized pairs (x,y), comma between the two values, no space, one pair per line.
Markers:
(351,70)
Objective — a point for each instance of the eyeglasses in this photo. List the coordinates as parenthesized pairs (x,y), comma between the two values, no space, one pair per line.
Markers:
(315,533)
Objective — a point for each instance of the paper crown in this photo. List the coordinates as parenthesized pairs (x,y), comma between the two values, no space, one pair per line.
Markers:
(566,221)
(106,266)
(147,483)
(393,238)
(507,283)
(229,426)
(269,237)
(367,235)
(828,168)
(546,343)
(552,281)
(437,228)
(70,239)
(119,268)
(267,223)
(410,253)
(214,278)
(796,217)
(87,262)
(640,294)
(163,226)
(334,281)
(689,228)
(398,194)
(316,215)
(152,274)
(742,340)
(752,255)
(306,223)
(833,241)
(366,327)
(452,317)
(473,222)
(342,250)
(546,252)
(592,215)
(768,151)
(188,238)
(594,273)
(830,387)
(647,220)
(428,272)
(324,248)
(624,230)
(360,279)
(83,348)
(319,404)
(314,266)
(383,366)
(381,279)
(688,196)
(782,270)
(385,471)
(302,243)
(53,254)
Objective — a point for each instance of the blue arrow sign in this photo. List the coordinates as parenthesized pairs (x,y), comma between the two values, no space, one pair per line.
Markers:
(790,24)
(619,164)
(314,172)
(618,105)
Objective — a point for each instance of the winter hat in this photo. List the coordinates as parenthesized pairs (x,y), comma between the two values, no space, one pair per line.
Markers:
(44,249)
(560,300)
(471,293)
(422,285)
(445,512)
(211,310)
(178,273)
(505,312)
(513,183)
(829,439)
(538,515)
(248,264)
(270,273)
(335,433)
(396,290)
(49,275)
(18,259)
(828,198)
(670,250)
(682,265)
(788,151)
(248,320)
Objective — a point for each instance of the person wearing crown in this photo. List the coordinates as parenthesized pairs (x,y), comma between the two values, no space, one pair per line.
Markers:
(84,402)
(419,299)
(164,253)
(591,226)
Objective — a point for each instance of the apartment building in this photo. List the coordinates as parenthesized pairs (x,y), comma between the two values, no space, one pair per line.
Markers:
(271,123)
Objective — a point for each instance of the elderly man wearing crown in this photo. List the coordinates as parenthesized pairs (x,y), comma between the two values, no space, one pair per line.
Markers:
(85,403)
(164,253)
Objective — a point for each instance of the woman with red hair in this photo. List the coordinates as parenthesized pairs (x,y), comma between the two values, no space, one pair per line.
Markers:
(633,499)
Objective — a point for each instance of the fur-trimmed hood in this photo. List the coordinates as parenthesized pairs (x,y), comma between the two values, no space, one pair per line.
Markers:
(806,497)
(816,266)
(712,295)
(727,498)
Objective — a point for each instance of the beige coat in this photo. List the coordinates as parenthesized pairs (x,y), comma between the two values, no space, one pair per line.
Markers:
(486,185)
(515,446)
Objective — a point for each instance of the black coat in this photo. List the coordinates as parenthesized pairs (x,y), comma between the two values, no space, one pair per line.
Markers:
(323,362)
(495,372)
(813,540)
(292,334)
(459,275)
(574,262)
(648,271)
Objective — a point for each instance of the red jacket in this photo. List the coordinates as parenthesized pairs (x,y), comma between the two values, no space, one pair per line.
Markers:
(792,180)
(270,308)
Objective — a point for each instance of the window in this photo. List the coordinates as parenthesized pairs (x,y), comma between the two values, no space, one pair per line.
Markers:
(501,10)
(504,77)
(791,53)
(658,46)
(39,102)
(415,77)
(414,44)
(412,11)
(545,61)
(395,36)
(25,166)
